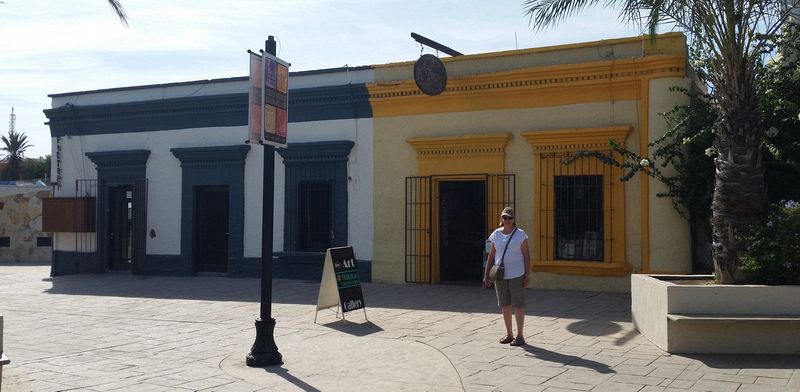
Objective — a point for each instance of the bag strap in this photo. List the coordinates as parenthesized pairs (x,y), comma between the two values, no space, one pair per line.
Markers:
(506,248)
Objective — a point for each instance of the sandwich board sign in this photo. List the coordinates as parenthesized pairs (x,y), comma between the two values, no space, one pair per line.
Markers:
(341,285)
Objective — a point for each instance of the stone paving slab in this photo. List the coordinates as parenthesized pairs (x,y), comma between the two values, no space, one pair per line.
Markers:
(348,363)
(118,332)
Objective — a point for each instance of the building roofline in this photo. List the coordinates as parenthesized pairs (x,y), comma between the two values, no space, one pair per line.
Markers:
(205,81)
(542,49)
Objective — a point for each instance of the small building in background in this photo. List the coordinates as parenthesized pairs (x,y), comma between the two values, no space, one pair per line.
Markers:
(21,236)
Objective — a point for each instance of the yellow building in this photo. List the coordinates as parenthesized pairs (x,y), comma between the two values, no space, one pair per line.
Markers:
(445,166)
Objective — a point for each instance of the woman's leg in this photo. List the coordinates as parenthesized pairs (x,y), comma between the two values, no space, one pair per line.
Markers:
(519,314)
(507,319)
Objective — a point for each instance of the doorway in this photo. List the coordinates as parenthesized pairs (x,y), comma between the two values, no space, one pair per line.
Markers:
(120,233)
(315,208)
(462,230)
(210,245)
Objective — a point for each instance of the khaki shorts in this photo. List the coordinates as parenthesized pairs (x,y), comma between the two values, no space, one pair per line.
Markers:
(510,292)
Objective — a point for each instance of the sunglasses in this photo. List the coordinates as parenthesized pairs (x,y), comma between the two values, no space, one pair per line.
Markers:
(508,217)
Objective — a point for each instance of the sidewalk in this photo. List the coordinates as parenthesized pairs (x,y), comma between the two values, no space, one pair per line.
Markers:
(126,333)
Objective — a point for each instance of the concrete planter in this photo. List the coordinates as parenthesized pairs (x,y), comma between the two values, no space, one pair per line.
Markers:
(713,318)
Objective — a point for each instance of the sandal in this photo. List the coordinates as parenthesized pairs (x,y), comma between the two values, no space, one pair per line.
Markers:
(518,341)
(506,339)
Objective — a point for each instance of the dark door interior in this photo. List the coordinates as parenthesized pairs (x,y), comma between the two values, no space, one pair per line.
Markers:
(315,220)
(120,226)
(210,245)
(462,230)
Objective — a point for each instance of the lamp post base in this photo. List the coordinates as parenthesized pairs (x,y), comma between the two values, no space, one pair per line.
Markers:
(264,352)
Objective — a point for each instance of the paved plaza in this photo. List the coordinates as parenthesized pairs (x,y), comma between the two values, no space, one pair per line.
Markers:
(119,332)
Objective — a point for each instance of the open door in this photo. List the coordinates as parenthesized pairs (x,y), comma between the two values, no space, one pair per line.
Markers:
(210,245)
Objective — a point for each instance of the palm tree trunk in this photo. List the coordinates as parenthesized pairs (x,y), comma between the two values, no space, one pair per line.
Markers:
(739,197)
(13,169)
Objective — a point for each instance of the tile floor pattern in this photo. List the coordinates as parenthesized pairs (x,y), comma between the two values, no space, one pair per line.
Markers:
(118,332)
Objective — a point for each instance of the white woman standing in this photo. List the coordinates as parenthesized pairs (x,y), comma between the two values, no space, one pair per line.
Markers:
(509,248)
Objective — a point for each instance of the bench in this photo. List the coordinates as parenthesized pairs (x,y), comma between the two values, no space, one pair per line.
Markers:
(741,333)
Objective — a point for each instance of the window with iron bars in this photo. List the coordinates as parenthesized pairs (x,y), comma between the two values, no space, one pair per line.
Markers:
(579,217)
(579,203)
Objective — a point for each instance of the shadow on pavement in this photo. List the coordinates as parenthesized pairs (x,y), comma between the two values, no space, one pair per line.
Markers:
(355,329)
(564,359)
(594,327)
(24,264)
(746,361)
(284,373)
(591,313)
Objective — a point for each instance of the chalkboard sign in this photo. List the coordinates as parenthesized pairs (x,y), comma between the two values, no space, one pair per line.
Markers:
(341,284)
(347,281)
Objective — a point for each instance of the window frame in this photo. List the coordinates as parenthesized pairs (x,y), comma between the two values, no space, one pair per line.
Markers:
(549,148)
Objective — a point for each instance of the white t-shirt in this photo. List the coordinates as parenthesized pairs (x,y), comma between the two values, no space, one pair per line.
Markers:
(514,262)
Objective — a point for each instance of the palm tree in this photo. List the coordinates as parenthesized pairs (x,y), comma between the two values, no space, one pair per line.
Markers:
(117,7)
(733,34)
(14,145)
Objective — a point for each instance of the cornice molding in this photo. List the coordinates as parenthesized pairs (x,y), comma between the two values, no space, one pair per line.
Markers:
(450,146)
(600,71)
(212,156)
(316,152)
(560,140)
(119,159)
(225,110)
(585,82)
(143,116)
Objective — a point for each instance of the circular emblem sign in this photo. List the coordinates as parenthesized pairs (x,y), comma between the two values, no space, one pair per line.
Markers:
(430,75)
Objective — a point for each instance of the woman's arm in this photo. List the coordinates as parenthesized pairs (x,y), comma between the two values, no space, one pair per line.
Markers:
(489,264)
(526,256)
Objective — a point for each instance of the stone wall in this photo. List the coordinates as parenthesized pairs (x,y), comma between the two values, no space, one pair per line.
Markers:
(21,222)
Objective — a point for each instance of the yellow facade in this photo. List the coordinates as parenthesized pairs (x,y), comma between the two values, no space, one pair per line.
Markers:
(514,114)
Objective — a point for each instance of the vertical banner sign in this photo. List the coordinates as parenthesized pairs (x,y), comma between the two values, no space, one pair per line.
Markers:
(268,105)
(276,100)
(254,121)
(341,285)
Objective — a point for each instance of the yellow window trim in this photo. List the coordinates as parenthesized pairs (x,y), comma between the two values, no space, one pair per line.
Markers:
(566,141)
(573,139)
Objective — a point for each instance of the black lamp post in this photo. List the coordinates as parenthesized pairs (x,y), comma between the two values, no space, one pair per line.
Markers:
(264,352)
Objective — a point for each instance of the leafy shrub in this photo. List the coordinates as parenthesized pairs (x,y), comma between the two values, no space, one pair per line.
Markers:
(773,251)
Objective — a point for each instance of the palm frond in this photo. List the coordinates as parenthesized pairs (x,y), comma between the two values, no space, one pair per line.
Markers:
(546,13)
(117,7)
(14,144)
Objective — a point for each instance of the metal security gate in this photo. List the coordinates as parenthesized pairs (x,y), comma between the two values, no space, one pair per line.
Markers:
(418,229)
(421,257)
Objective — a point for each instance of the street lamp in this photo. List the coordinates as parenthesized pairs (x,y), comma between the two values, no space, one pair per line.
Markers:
(264,352)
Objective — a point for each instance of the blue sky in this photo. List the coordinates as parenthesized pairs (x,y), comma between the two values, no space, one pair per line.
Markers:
(49,47)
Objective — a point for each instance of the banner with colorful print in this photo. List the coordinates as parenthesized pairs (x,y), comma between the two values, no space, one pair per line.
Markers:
(269,99)
(254,105)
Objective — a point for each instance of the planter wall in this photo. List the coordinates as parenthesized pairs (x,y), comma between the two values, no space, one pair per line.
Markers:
(687,318)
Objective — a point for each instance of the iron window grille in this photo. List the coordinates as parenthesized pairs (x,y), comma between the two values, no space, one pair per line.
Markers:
(579,217)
